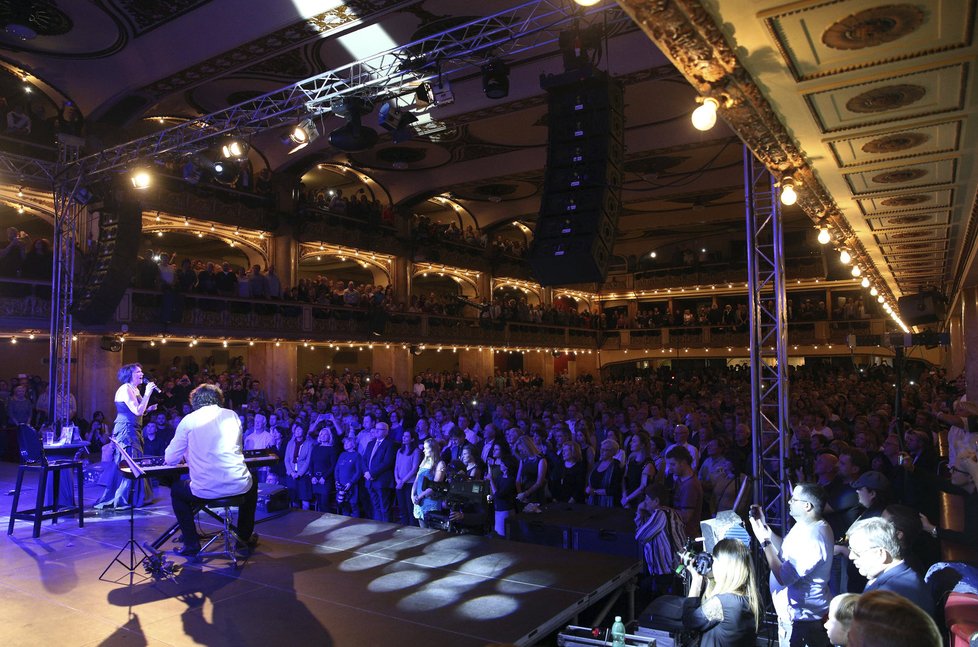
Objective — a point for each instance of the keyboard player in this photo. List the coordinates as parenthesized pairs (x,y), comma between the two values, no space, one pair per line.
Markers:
(209,440)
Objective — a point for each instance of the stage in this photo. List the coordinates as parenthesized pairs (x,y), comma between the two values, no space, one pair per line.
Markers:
(316,579)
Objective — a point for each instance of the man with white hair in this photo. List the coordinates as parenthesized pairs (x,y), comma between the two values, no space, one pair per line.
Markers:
(874,548)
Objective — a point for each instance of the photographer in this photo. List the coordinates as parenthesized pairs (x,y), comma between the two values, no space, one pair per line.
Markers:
(462,503)
(728,615)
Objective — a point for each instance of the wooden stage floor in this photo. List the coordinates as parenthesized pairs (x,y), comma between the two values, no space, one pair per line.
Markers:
(316,579)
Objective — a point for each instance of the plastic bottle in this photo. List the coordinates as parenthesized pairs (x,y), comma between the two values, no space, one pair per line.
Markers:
(618,633)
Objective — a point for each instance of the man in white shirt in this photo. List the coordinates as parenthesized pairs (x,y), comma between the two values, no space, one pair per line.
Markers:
(209,440)
(801,565)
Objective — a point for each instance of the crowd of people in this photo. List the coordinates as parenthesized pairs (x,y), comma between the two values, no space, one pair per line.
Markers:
(673,448)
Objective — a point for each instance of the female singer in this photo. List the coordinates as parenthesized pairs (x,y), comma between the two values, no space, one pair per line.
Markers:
(130,407)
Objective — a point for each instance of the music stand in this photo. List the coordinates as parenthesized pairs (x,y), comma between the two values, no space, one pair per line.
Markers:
(131,545)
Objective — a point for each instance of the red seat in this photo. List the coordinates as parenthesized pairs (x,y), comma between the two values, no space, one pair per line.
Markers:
(961,616)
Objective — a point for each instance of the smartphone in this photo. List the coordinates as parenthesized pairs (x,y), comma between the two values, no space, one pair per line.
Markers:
(755,511)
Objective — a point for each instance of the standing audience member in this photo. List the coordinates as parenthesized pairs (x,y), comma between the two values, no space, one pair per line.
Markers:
(406,466)
(379,473)
(800,564)
(604,481)
(433,469)
(298,462)
(687,496)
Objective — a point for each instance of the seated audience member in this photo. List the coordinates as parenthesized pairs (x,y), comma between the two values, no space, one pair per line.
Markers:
(730,611)
(875,550)
(840,618)
(886,619)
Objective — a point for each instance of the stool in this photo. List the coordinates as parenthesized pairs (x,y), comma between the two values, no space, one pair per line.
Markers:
(229,534)
(40,511)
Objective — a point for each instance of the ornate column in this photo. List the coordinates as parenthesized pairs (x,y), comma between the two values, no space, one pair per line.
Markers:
(285,258)
(95,377)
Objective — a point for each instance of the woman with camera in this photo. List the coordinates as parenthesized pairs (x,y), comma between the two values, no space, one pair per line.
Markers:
(728,614)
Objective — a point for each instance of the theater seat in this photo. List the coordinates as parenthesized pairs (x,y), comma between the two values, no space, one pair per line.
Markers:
(961,617)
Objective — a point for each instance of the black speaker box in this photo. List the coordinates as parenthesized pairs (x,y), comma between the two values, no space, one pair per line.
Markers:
(572,259)
(581,202)
(922,308)
(96,298)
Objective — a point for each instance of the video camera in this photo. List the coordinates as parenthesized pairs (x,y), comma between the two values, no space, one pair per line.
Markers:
(690,558)
(457,493)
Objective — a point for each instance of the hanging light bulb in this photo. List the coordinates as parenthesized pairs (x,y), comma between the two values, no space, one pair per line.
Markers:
(705,116)
(788,194)
(587,3)
(845,257)
(880,299)
(865,282)
(873,291)
(856,272)
(824,237)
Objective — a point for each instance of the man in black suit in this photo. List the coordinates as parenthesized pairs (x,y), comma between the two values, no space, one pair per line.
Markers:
(874,547)
(379,473)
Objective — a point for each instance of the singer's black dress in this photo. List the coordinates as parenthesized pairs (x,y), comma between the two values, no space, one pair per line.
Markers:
(128,433)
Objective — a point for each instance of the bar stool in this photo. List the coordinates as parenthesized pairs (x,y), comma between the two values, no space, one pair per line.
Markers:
(220,509)
(34,460)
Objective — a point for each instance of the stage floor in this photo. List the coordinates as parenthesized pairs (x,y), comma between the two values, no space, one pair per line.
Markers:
(316,579)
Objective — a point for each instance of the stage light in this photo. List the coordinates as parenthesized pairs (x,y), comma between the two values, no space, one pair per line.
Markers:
(395,120)
(141,178)
(495,79)
(234,148)
(788,194)
(824,237)
(304,133)
(353,136)
(705,116)
(845,257)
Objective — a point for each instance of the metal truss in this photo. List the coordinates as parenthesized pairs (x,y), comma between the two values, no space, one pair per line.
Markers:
(27,170)
(67,220)
(383,76)
(768,342)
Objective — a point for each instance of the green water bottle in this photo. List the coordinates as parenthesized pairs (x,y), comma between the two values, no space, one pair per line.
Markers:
(618,633)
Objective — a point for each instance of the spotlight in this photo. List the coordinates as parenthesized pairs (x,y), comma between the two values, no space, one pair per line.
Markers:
(304,133)
(495,79)
(225,172)
(705,116)
(141,178)
(824,237)
(396,121)
(788,194)
(234,149)
(439,94)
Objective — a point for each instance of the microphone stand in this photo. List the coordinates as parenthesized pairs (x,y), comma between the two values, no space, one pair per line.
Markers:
(137,474)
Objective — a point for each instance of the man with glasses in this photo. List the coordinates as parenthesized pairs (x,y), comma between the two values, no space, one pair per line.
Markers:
(874,548)
(801,564)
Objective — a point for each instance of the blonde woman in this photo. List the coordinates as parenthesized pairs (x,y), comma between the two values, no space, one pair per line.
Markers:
(729,613)
(837,624)
(531,476)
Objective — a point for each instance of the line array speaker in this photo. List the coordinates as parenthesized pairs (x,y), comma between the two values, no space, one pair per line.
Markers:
(114,264)
(581,200)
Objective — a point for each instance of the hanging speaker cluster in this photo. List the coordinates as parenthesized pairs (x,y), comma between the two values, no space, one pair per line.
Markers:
(581,201)
(120,226)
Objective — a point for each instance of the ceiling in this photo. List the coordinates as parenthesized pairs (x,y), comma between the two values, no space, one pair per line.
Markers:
(868,105)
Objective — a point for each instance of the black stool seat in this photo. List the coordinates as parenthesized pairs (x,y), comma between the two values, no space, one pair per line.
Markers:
(220,509)
(40,511)
(33,459)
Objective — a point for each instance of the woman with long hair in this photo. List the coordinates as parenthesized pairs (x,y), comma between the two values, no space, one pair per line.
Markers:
(434,469)
(728,614)
(127,432)
(639,470)
(406,464)
(531,476)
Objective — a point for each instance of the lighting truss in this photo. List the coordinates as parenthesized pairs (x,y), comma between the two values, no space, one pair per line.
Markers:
(508,33)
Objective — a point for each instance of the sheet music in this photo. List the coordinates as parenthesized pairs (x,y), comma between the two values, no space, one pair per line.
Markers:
(137,471)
